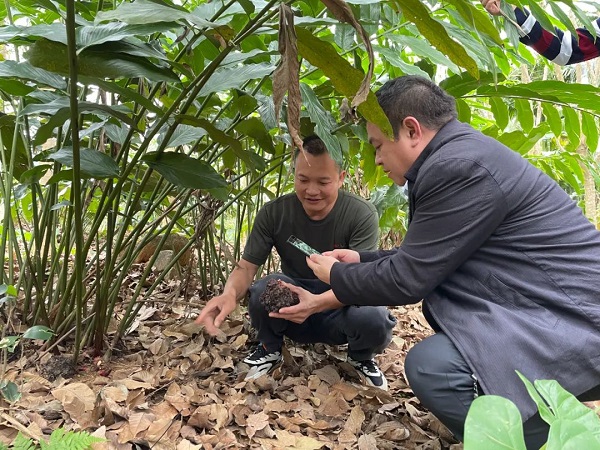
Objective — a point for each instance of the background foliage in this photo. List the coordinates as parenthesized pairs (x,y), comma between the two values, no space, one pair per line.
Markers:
(124,121)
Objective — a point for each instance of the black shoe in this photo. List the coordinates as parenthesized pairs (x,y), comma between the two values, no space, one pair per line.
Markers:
(369,373)
(261,362)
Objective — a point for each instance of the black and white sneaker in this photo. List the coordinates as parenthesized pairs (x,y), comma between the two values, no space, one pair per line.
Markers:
(369,373)
(261,362)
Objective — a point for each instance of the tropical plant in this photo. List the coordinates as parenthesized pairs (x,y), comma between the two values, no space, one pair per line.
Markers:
(126,121)
(494,422)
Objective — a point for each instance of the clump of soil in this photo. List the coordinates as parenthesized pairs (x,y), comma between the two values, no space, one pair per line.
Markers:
(277,296)
(58,366)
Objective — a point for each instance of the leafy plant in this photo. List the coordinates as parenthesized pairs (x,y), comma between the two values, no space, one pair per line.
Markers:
(494,422)
(59,440)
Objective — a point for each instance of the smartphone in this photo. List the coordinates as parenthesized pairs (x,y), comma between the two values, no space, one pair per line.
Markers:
(302,246)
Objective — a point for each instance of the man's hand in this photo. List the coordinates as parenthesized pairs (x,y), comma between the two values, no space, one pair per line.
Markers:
(492,6)
(344,255)
(309,304)
(321,266)
(215,312)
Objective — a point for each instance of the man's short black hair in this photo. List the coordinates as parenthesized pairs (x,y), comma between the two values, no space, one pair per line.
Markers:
(415,96)
(314,145)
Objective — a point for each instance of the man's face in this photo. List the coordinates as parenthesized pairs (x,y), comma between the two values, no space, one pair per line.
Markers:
(316,181)
(394,156)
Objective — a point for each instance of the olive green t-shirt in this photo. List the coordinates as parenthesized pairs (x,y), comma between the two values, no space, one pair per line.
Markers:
(352,223)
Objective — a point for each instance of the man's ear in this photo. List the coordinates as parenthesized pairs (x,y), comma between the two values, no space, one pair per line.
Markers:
(413,128)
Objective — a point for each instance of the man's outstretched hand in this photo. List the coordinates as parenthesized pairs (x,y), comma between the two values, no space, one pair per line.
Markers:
(215,312)
(492,6)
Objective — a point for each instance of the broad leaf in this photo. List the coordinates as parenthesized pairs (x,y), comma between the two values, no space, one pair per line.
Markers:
(185,171)
(10,391)
(571,435)
(230,78)
(435,33)
(9,343)
(590,130)
(53,56)
(572,128)
(343,76)
(26,71)
(500,112)
(324,123)
(144,12)
(524,114)
(38,332)
(553,118)
(88,36)
(92,162)
(493,423)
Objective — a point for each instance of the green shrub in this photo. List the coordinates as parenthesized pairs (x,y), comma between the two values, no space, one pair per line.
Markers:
(494,423)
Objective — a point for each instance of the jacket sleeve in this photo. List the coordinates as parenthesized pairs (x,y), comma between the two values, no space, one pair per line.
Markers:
(562,47)
(458,205)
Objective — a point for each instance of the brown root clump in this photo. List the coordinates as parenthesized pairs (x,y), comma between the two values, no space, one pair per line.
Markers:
(277,296)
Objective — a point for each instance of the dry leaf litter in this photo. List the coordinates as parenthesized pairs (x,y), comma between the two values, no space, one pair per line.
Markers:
(168,386)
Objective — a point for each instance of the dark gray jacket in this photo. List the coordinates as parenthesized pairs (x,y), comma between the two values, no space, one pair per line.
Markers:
(505,261)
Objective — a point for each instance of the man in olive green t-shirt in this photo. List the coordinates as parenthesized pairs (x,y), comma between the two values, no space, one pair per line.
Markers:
(326,218)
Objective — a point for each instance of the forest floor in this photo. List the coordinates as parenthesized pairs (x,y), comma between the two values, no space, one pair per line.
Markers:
(168,386)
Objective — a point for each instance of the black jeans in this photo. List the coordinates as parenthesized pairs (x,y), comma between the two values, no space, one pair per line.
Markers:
(367,329)
(444,384)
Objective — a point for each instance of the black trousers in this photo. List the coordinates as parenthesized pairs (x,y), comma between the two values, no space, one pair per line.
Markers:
(367,329)
(444,384)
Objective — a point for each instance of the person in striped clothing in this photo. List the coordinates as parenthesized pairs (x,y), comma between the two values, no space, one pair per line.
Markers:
(562,47)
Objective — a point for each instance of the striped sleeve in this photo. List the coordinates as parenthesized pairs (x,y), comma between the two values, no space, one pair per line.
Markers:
(562,47)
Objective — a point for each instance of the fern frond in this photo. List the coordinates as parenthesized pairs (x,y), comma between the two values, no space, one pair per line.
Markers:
(21,443)
(69,440)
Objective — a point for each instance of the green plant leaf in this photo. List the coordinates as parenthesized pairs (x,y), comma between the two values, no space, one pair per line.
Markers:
(346,79)
(182,170)
(565,405)
(94,163)
(9,342)
(7,132)
(10,391)
(324,122)
(394,58)
(500,112)
(53,56)
(460,85)
(543,409)
(230,78)
(423,49)
(26,71)
(493,423)
(477,18)
(38,332)
(590,130)
(552,118)
(434,32)
(88,36)
(524,114)
(144,12)
(571,435)
(572,128)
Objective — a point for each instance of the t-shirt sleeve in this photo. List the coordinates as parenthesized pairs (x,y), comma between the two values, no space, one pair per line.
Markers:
(260,241)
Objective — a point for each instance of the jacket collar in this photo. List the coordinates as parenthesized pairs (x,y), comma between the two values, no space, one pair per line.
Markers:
(434,145)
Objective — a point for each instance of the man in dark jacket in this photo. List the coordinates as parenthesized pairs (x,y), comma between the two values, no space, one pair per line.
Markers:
(507,265)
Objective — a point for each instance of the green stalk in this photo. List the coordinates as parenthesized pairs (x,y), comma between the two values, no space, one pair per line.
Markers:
(76,181)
